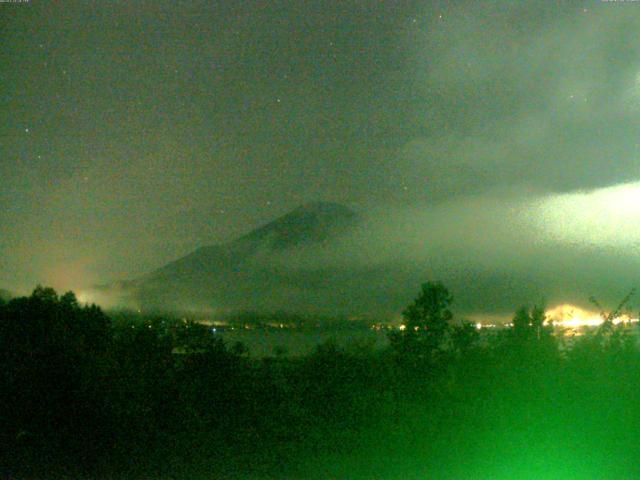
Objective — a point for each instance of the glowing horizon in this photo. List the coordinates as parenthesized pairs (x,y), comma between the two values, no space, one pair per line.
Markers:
(567,315)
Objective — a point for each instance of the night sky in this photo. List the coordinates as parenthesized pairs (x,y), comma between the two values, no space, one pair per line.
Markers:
(133,132)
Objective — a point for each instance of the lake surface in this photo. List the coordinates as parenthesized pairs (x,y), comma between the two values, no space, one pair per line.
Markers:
(267,342)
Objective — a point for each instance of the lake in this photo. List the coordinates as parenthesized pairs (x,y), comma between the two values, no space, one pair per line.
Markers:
(267,342)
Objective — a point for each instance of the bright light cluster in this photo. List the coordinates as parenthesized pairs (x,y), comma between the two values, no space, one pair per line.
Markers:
(567,315)
(563,316)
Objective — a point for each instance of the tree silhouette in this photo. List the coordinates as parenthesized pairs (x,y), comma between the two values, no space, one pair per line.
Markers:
(464,337)
(529,323)
(426,321)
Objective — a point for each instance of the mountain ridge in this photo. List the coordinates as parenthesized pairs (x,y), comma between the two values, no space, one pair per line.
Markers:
(239,274)
(310,223)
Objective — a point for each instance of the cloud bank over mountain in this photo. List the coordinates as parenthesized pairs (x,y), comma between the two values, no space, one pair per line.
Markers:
(495,251)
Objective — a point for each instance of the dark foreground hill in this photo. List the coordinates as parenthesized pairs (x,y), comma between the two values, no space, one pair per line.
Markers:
(84,396)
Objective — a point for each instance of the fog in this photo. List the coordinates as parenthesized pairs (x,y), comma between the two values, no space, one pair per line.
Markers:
(498,250)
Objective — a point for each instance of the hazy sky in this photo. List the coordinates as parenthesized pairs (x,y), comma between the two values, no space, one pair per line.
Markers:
(133,132)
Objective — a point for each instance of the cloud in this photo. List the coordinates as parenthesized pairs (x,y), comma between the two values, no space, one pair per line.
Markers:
(523,93)
(477,131)
(495,250)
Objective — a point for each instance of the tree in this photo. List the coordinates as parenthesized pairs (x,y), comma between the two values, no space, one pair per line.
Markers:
(53,360)
(426,321)
(530,323)
(464,337)
(44,295)
(521,322)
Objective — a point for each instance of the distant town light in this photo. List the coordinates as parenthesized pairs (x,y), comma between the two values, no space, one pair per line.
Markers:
(570,316)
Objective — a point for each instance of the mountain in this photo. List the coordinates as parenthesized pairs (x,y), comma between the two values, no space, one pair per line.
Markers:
(258,271)
(309,225)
